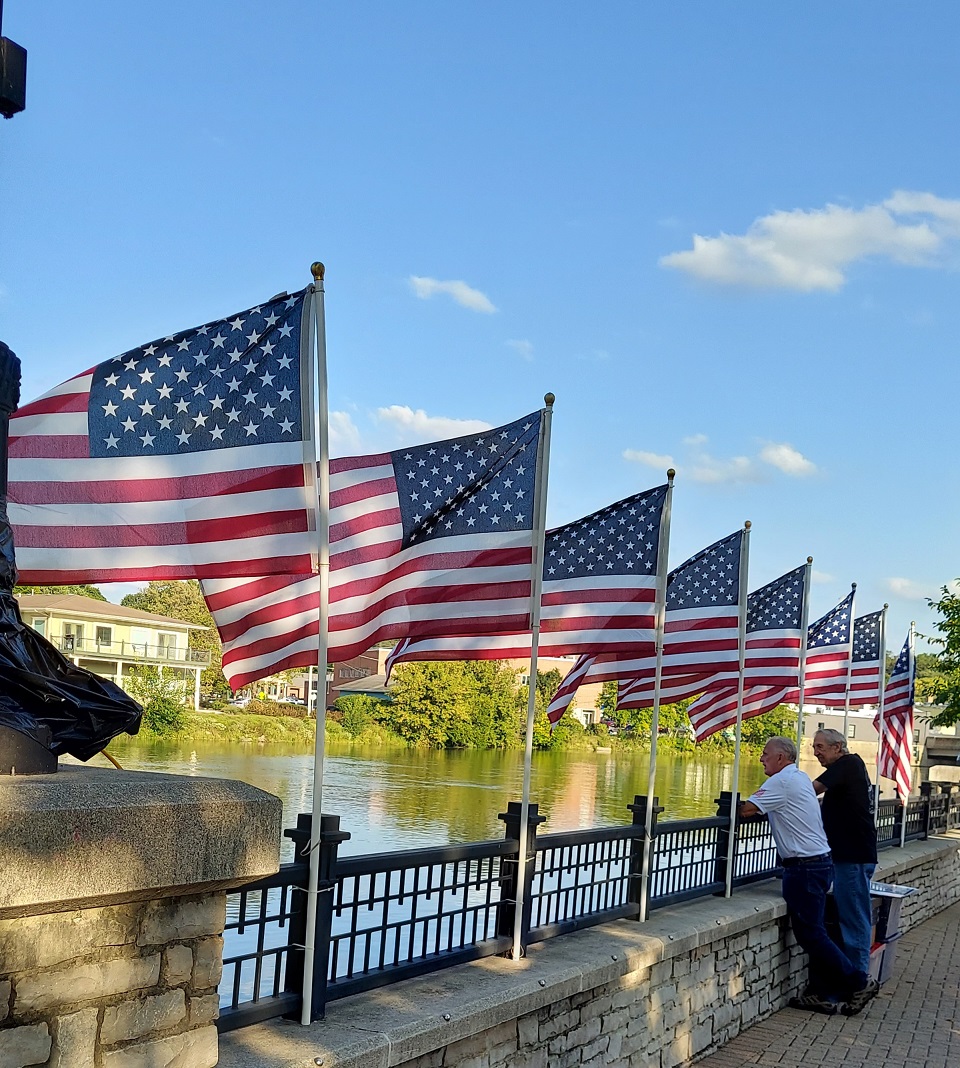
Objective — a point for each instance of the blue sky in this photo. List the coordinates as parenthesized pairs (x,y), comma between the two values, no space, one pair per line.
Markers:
(726,236)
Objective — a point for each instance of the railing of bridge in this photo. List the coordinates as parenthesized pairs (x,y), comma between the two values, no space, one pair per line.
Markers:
(385,917)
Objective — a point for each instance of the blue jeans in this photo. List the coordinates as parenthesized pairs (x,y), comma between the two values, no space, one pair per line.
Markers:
(851,891)
(805,893)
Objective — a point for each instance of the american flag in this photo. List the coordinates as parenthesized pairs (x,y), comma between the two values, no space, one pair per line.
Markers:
(864,665)
(567,689)
(771,656)
(828,654)
(184,458)
(437,538)
(896,741)
(701,629)
(599,588)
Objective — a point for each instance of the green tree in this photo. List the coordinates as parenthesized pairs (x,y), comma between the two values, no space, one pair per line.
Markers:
(162,697)
(83,591)
(945,689)
(357,712)
(184,600)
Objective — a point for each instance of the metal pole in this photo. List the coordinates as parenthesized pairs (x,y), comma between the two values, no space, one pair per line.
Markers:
(846,691)
(882,672)
(804,625)
(742,640)
(322,518)
(663,548)
(536,584)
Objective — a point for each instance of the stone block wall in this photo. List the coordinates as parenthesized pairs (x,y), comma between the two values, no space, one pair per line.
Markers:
(121,986)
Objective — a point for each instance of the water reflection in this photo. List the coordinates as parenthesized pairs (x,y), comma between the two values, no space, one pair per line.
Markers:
(401,799)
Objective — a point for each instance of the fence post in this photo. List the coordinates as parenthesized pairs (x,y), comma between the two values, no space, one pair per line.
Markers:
(330,838)
(510,871)
(926,793)
(639,810)
(726,848)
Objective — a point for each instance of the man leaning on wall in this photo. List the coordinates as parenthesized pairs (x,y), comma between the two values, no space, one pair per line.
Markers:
(847,810)
(788,800)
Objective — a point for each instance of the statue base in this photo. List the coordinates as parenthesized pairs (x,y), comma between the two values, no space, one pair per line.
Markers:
(22,755)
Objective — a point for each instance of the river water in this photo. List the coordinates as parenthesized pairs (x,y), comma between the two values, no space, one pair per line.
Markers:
(390,799)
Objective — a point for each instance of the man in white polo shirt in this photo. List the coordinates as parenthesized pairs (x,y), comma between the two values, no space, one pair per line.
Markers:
(789,801)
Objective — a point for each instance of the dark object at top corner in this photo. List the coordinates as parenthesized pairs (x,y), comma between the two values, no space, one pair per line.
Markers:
(13,78)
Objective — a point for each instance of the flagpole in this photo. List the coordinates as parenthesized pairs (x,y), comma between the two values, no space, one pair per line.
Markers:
(804,624)
(536,584)
(882,673)
(663,548)
(322,515)
(742,639)
(846,692)
(909,741)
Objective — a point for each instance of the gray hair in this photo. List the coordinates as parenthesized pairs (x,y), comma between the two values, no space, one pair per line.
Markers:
(786,746)
(832,737)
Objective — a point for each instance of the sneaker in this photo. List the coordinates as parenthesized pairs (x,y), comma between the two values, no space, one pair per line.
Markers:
(861,997)
(815,1003)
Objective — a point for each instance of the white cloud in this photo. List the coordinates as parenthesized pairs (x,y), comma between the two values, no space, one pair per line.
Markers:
(710,469)
(820,578)
(811,250)
(787,459)
(464,295)
(649,459)
(344,435)
(907,589)
(696,439)
(411,427)
(522,347)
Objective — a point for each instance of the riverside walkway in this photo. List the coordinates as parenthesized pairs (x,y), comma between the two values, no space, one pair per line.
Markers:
(913,1023)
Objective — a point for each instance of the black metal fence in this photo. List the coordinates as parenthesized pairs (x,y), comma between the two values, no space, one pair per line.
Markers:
(386,917)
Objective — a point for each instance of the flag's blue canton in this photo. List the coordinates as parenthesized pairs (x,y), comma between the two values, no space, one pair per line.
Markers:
(478,484)
(231,382)
(866,637)
(833,628)
(778,605)
(710,579)
(619,540)
(902,666)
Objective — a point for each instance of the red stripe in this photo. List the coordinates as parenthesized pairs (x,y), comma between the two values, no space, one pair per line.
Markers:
(387,518)
(271,643)
(250,591)
(434,595)
(145,573)
(61,402)
(681,626)
(575,624)
(270,613)
(51,447)
(625,594)
(189,487)
(195,532)
(359,463)
(361,491)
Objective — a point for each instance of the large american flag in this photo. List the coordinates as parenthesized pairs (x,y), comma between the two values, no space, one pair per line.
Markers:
(828,655)
(771,653)
(437,538)
(701,630)
(184,458)
(896,741)
(599,589)
(864,665)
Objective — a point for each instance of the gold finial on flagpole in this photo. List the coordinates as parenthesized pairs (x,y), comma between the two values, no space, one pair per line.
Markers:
(671,474)
(809,559)
(747,524)
(549,399)
(317,269)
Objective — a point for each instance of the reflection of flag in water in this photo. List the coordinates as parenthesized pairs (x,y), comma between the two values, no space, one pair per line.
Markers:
(184,458)
(566,690)
(599,588)
(433,538)
(828,653)
(896,742)
(864,665)
(772,654)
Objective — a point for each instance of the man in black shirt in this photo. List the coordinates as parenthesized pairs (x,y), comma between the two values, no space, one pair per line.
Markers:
(849,825)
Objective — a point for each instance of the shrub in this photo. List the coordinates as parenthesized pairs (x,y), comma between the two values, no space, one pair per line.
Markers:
(261,707)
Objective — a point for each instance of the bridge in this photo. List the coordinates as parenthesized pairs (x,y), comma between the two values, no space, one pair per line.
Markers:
(939,750)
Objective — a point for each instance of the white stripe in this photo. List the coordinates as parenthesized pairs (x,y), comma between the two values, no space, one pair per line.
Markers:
(50,424)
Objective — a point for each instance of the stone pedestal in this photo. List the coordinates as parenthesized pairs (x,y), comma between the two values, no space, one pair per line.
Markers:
(112,908)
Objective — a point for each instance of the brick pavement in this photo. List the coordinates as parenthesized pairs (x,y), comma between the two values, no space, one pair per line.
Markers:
(914,1022)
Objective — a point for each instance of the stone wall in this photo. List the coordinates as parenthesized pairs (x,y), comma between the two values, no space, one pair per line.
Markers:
(112,909)
(624,995)
(118,986)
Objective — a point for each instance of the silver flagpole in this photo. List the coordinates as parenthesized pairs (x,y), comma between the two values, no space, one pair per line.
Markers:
(846,692)
(804,624)
(322,498)
(913,676)
(663,549)
(882,672)
(536,584)
(742,640)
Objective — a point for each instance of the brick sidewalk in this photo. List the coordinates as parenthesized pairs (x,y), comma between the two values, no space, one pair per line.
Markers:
(913,1023)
